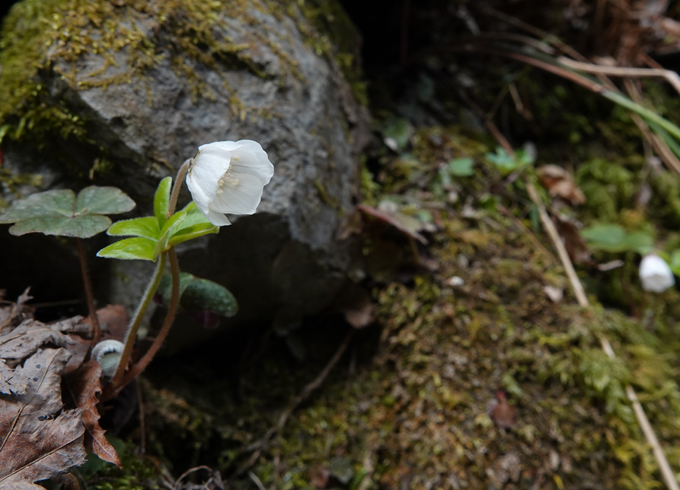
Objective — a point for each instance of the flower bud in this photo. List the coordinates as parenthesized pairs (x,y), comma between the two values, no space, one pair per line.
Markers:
(655,274)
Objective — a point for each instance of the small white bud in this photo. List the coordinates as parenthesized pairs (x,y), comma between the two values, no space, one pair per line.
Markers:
(107,353)
(655,274)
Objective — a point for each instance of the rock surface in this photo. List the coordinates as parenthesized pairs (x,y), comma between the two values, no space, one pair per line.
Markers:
(124,102)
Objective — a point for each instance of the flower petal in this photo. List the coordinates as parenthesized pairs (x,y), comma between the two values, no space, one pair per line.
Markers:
(241,194)
(217,218)
(248,161)
(209,166)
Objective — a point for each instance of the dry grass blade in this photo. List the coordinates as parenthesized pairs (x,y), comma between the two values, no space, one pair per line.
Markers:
(664,467)
(619,71)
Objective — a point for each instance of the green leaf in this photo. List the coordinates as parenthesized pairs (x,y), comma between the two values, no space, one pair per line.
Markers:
(193,232)
(198,294)
(130,249)
(51,203)
(461,167)
(675,262)
(166,232)
(398,130)
(608,237)
(145,227)
(640,242)
(165,287)
(193,226)
(103,200)
(161,201)
(57,212)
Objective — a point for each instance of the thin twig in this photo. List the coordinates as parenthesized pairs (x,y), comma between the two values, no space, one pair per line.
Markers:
(190,471)
(259,445)
(256,480)
(661,147)
(621,71)
(647,429)
(142,425)
(89,296)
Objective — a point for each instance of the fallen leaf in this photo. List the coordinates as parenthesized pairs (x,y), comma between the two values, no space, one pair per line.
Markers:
(25,339)
(555,294)
(39,439)
(578,251)
(84,385)
(501,412)
(560,183)
(399,221)
(319,476)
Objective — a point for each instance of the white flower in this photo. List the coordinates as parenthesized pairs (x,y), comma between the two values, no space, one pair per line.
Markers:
(655,274)
(228,177)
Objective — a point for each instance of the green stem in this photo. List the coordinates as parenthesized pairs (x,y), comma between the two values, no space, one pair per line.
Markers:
(141,365)
(137,320)
(177,185)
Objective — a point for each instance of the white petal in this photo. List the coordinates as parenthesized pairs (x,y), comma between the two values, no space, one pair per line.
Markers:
(241,197)
(257,151)
(222,145)
(203,176)
(217,218)
(655,274)
(247,162)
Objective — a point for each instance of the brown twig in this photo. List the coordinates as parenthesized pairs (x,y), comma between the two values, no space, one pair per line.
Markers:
(89,296)
(647,429)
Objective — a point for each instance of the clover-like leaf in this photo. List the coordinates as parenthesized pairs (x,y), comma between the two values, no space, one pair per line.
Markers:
(58,212)
(161,201)
(130,248)
(103,200)
(606,236)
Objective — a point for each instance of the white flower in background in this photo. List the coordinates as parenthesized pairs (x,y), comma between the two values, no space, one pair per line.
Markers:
(228,177)
(655,274)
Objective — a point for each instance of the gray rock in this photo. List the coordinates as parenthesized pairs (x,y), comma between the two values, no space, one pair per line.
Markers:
(272,87)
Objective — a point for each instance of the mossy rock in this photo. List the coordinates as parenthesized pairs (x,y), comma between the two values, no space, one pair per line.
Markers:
(122,92)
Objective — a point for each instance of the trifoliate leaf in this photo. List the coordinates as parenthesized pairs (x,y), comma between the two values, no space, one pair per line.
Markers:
(461,167)
(146,227)
(50,203)
(130,249)
(161,201)
(608,237)
(103,200)
(57,212)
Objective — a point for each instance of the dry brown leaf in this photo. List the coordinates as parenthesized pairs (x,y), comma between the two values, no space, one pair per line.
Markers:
(560,183)
(39,438)
(578,251)
(84,385)
(25,339)
(405,224)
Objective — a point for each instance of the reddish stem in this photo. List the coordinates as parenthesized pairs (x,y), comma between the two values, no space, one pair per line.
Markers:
(141,365)
(87,285)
